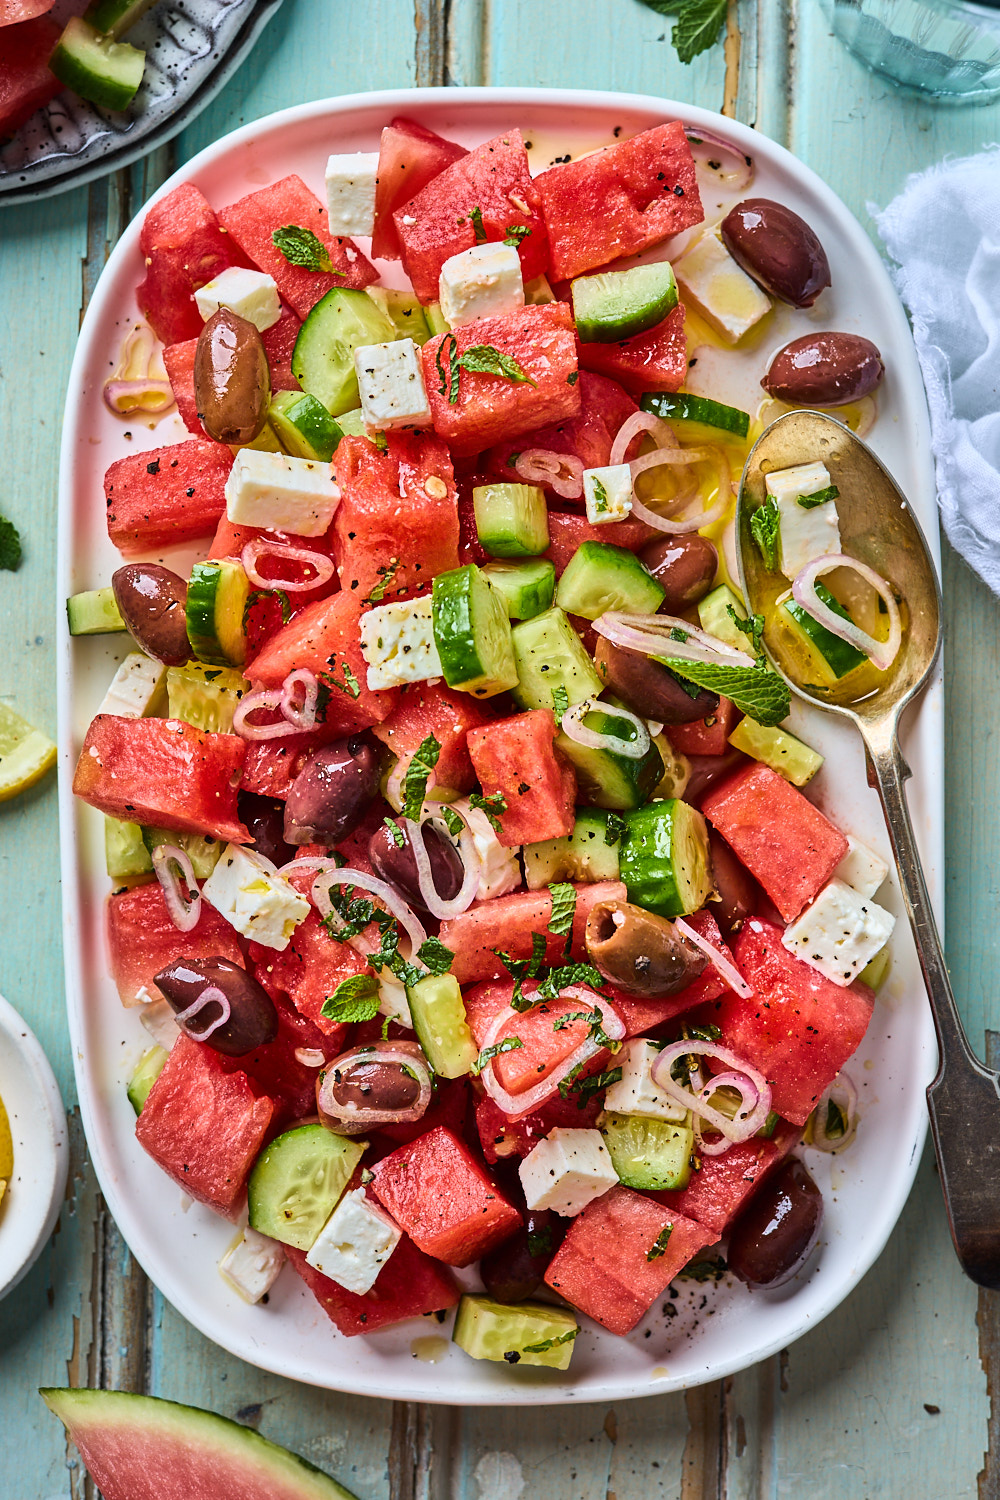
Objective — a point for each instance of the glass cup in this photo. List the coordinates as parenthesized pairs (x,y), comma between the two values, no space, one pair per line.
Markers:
(947,50)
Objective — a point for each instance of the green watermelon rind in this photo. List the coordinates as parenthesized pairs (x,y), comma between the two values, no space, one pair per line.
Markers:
(242,1462)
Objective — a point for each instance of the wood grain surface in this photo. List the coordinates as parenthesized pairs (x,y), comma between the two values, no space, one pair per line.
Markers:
(891,1395)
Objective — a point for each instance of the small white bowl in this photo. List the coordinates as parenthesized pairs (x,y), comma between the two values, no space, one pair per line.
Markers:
(34,1194)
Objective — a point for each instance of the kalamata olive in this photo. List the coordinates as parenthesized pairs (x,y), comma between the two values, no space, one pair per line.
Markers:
(739,894)
(264,817)
(683,565)
(706,770)
(252,1021)
(778,249)
(514,1270)
(399,867)
(388,1083)
(329,797)
(640,951)
(232,382)
(152,602)
(648,688)
(375,1085)
(824,369)
(779,1226)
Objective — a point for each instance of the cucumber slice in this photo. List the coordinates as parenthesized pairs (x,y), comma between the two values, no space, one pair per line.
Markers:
(512,519)
(352,423)
(527,587)
(323,357)
(714,616)
(303,425)
(617,304)
(125,853)
(698,418)
(830,657)
(606,778)
(600,577)
(216,601)
(404,312)
(105,72)
(148,1071)
(438,1015)
(205,696)
(266,441)
(297,1182)
(798,763)
(550,655)
(114,17)
(876,969)
(472,633)
(647,1153)
(529,1333)
(436,320)
(583,855)
(664,860)
(94,612)
(201,849)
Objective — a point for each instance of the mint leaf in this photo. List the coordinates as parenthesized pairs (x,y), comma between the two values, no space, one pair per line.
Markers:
(553,1343)
(301,247)
(764,524)
(494,806)
(540,1241)
(509,1044)
(252,597)
(760,694)
(398,836)
(521,969)
(452,820)
(818,497)
(600,496)
(484,359)
(350,685)
(425,758)
(660,1243)
(436,958)
(665,7)
(560,702)
(563,976)
(386,575)
(699,24)
(354,999)
(476,216)
(515,234)
(593,1084)
(449,377)
(10,545)
(753,629)
(563,908)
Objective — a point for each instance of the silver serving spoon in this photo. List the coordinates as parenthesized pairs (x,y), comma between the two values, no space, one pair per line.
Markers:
(878,528)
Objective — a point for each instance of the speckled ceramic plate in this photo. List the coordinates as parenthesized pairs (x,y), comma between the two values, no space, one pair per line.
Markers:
(192,48)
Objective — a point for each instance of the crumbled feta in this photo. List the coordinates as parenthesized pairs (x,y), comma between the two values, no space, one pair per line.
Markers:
(636,1093)
(499,868)
(138,689)
(566,1171)
(720,290)
(355,1243)
(839,933)
(607,493)
(805,534)
(350,192)
(481,282)
(252,295)
(245,889)
(861,868)
(281,493)
(252,1264)
(391,383)
(157,1017)
(397,642)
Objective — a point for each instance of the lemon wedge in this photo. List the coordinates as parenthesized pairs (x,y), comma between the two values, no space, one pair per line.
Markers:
(25,754)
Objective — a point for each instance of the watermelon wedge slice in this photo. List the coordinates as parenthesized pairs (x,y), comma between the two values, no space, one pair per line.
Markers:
(142,1448)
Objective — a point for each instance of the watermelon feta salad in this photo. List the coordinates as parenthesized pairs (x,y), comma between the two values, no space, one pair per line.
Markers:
(461,864)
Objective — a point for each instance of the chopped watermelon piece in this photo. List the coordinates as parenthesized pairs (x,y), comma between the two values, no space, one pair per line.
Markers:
(784,841)
(12,12)
(26,84)
(718,1190)
(508,922)
(567,531)
(252,222)
(604,407)
(272,765)
(445,1201)
(204,1125)
(653,361)
(184,246)
(178,359)
(409,1285)
(436,223)
(705,736)
(166,496)
(543,1048)
(501,1138)
(409,156)
(620,200)
(142,940)
(308,971)
(395,529)
(621,1254)
(162,773)
(448,716)
(276,1071)
(516,759)
(448,1107)
(279,345)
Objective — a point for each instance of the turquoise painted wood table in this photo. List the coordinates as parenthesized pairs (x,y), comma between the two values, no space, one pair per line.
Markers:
(891,1396)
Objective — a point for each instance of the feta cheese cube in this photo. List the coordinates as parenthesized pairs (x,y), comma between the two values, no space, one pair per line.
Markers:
(249,294)
(262,905)
(566,1171)
(157,1017)
(355,1243)
(720,290)
(861,868)
(480,282)
(281,493)
(251,1265)
(350,192)
(499,868)
(397,642)
(636,1093)
(391,383)
(607,493)
(805,534)
(138,689)
(839,933)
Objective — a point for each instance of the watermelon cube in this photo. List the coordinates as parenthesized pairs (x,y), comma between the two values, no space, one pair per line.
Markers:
(308,970)
(409,1285)
(448,716)
(183,246)
(489,407)
(445,1201)
(205,1126)
(409,156)
(517,758)
(621,1254)
(620,200)
(501,1137)
(784,841)
(166,496)
(718,1190)
(142,939)
(508,922)
(604,407)
(543,1048)
(252,222)
(272,765)
(567,531)
(437,223)
(279,345)
(397,522)
(178,360)
(705,736)
(653,361)
(26,84)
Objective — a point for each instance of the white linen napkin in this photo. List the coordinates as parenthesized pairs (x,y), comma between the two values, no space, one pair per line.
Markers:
(943,232)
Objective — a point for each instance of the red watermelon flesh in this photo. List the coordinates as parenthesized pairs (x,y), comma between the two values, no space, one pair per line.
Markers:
(436,224)
(706,736)
(178,360)
(26,84)
(272,765)
(448,1108)
(142,940)
(279,344)
(449,716)
(409,1285)
(184,247)
(275,1070)
(542,1048)
(653,361)
(166,496)
(567,531)
(409,156)
(620,200)
(14,11)
(517,759)
(308,970)
(252,222)
(604,407)
(502,1138)
(508,922)
(716,1193)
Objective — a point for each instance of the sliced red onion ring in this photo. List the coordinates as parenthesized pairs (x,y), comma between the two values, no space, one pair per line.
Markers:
(303,718)
(684,456)
(262,698)
(309,1057)
(719,958)
(575,730)
(562,472)
(515,1106)
(180,891)
(844,1094)
(731,166)
(741,1085)
(882,654)
(123,397)
(468,854)
(262,547)
(634,426)
(733,1130)
(353,1119)
(209,993)
(651,635)
(327,876)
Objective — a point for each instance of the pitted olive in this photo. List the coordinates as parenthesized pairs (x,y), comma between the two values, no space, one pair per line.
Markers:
(738,892)
(374,1085)
(682,565)
(639,951)
(397,864)
(152,602)
(264,818)
(232,381)
(331,794)
(778,249)
(648,688)
(252,1019)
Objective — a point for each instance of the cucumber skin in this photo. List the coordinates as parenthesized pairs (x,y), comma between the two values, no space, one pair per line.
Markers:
(314,435)
(114,17)
(140,1085)
(94,612)
(682,406)
(70,65)
(646,858)
(618,783)
(461,621)
(511,519)
(270,1175)
(593,329)
(204,605)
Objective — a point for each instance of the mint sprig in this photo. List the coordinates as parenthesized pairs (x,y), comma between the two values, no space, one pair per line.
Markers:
(354,999)
(757,691)
(484,359)
(301,247)
(699,24)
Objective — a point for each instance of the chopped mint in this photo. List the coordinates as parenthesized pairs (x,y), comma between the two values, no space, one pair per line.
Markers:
(449,377)
(301,247)
(484,359)
(476,215)
(753,629)
(818,497)
(615,831)
(560,702)
(425,758)
(594,1084)
(757,692)
(563,909)
(494,805)
(354,999)
(452,821)
(515,234)
(386,575)
(660,1243)
(436,958)
(764,524)
(398,836)
(601,498)
(562,1338)
(509,1044)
